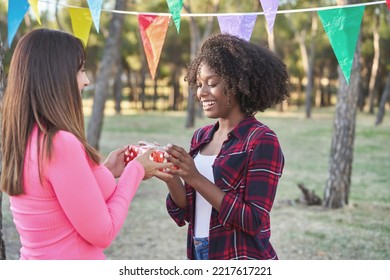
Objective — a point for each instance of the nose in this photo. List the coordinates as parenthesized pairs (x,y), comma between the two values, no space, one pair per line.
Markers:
(202,91)
(86,80)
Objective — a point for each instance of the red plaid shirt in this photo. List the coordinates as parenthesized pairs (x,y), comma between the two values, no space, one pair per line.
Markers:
(247,169)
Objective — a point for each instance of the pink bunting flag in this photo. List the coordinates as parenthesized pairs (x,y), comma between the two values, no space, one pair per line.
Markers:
(153,31)
(388,3)
(270,7)
(241,26)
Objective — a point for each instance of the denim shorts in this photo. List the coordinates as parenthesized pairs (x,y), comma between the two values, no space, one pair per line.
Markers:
(201,248)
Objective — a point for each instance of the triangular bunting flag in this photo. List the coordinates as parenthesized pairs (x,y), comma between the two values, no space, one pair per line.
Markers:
(34,7)
(153,30)
(175,7)
(270,8)
(388,3)
(81,23)
(95,7)
(241,26)
(342,25)
(16,11)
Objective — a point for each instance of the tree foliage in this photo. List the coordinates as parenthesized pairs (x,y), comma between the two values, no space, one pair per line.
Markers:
(168,92)
(177,52)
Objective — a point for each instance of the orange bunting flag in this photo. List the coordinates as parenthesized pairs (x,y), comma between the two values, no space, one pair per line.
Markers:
(81,23)
(153,31)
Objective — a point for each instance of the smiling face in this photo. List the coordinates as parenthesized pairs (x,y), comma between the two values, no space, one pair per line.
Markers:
(210,92)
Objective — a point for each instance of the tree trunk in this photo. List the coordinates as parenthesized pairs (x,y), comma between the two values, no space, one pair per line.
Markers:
(319,93)
(300,36)
(308,62)
(271,46)
(2,245)
(142,86)
(195,43)
(384,99)
(60,27)
(132,84)
(375,65)
(307,54)
(110,54)
(155,91)
(2,84)
(118,86)
(174,98)
(337,188)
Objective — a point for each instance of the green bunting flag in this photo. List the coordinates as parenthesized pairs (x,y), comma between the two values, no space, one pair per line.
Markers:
(175,7)
(342,25)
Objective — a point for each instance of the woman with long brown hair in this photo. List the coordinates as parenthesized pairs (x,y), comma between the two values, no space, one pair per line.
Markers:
(64,202)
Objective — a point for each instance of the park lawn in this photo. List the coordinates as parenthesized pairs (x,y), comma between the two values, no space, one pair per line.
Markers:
(360,230)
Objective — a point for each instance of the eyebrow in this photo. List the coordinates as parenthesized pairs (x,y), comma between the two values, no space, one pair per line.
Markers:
(209,77)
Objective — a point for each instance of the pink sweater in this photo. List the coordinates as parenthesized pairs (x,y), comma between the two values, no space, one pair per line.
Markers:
(80,207)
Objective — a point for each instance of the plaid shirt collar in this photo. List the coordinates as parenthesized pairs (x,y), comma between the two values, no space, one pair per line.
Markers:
(239,131)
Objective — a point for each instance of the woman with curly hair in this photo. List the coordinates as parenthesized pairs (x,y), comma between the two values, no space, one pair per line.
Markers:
(224,188)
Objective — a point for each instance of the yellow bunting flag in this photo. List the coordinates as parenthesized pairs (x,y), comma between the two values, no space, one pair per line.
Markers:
(81,23)
(34,7)
(153,30)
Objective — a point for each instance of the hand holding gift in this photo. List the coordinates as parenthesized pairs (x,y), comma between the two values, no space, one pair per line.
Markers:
(158,154)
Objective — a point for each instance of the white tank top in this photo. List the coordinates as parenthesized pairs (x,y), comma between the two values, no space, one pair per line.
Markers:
(202,207)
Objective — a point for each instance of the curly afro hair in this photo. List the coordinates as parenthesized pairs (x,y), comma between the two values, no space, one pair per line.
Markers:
(254,74)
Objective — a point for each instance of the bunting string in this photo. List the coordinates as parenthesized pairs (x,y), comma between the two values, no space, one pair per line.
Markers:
(227,14)
(341,24)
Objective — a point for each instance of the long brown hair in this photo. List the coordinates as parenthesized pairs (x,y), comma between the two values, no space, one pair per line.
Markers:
(42,89)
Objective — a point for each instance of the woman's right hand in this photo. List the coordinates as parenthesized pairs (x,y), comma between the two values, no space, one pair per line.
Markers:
(153,168)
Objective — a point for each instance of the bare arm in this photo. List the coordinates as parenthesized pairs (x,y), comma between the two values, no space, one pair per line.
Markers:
(177,191)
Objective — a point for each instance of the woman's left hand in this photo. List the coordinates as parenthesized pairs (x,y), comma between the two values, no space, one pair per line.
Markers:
(186,168)
(115,161)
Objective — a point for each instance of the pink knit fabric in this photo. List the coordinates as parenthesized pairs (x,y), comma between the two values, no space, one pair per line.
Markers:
(78,209)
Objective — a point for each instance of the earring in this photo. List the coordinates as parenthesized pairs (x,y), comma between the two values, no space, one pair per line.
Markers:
(229,101)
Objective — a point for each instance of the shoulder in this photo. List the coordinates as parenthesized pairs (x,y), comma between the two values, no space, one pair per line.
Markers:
(65,137)
(202,132)
(260,133)
(65,141)
(257,127)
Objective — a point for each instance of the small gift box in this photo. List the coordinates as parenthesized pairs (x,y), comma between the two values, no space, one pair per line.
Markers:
(134,150)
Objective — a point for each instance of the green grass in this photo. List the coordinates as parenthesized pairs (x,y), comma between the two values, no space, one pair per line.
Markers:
(360,230)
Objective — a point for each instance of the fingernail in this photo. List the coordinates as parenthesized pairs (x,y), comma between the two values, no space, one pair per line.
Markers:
(169,145)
